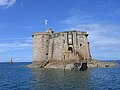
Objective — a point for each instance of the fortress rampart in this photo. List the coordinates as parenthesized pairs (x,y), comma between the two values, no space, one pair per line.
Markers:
(67,45)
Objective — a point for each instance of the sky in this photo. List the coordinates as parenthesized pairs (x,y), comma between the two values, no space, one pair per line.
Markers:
(19,19)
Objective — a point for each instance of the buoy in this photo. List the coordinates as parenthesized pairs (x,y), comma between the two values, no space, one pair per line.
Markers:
(11,61)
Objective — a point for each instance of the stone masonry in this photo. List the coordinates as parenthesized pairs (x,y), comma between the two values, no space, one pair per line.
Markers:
(67,45)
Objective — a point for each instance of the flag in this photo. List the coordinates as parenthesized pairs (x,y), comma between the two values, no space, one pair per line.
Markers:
(46,21)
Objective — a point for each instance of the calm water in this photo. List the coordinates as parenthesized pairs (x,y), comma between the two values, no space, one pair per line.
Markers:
(18,77)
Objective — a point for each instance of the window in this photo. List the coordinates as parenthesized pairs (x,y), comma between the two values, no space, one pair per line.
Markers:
(70,39)
(70,49)
(80,45)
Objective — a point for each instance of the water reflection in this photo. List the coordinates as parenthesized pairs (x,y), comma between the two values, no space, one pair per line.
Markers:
(57,79)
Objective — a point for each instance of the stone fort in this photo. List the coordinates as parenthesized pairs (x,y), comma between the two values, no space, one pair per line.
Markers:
(66,45)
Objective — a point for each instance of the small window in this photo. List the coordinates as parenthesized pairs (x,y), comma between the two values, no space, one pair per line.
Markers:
(42,36)
(80,45)
(70,49)
(46,53)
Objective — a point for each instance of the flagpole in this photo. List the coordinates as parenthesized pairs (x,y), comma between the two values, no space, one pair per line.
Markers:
(45,27)
(46,21)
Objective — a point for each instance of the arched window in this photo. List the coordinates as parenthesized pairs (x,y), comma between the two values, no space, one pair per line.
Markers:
(70,49)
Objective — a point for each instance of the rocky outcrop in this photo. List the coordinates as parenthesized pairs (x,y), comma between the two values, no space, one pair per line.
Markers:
(38,65)
(70,66)
(97,63)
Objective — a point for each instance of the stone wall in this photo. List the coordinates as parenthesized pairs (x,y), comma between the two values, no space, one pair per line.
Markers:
(40,46)
(83,45)
(55,46)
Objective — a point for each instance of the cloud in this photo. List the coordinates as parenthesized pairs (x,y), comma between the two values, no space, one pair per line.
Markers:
(15,44)
(104,39)
(17,48)
(77,19)
(7,3)
(100,34)
(103,35)
(23,59)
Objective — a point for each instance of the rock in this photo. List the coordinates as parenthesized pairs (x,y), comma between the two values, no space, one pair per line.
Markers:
(40,65)
(106,65)
(43,64)
(71,66)
(84,66)
(96,63)
(76,66)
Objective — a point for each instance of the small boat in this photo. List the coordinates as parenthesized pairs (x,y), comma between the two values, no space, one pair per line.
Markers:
(11,61)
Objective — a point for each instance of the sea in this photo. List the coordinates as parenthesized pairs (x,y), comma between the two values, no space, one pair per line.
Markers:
(17,76)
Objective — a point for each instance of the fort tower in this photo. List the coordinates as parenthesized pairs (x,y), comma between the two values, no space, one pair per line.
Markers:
(67,45)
